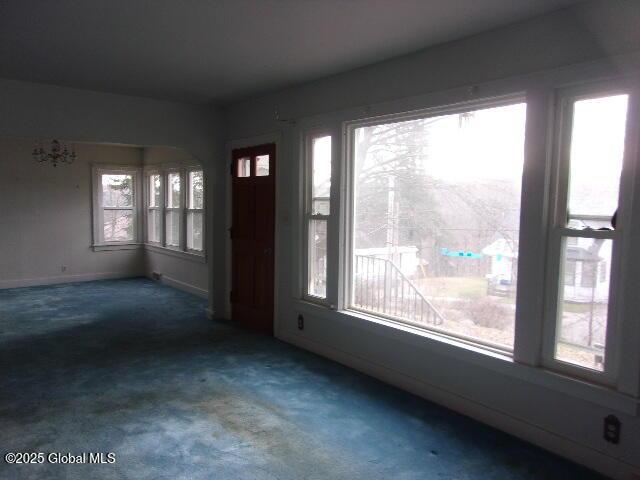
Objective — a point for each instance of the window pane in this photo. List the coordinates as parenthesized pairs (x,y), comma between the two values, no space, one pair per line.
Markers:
(317,258)
(597,147)
(194,230)
(321,160)
(173,190)
(173,228)
(437,209)
(321,207)
(117,190)
(155,190)
(154,226)
(262,166)
(244,167)
(196,189)
(582,312)
(118,225)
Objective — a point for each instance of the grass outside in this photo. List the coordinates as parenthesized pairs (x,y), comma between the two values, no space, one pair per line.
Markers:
(454,287)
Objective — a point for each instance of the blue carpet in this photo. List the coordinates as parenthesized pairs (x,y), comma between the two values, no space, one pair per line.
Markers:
(135,368)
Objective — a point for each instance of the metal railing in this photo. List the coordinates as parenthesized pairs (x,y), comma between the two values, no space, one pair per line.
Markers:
(381,287)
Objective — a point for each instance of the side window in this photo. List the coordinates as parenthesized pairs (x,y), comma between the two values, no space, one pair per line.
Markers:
(173,209)
(590,162)
(115,206)
(436,221)
(154,208)
(317,211)
(195,210)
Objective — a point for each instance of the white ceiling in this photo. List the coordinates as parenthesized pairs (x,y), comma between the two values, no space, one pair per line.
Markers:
(223,50)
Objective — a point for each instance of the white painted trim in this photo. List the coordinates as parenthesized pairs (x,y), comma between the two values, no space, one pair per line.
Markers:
(185,287)
(110,247)
(192,257)
(97,209)
(477,355)
(86,277)
(503,421)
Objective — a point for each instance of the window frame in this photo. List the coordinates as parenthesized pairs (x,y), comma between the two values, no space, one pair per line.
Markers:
(164,170)
(179,210)
(347,274)
(98,170)
(188,209)
(526,363)
(558,230)
(309,216)
(147,207)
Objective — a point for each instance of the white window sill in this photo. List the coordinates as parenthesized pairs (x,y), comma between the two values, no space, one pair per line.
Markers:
(478,355)
(191,256)
(110,247)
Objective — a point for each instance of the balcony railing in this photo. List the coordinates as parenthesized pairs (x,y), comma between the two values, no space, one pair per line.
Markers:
(381,287)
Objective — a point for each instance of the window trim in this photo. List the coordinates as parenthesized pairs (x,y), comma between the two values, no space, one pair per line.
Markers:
(558,230)
(179,210)
(347,273)
(160,208)
(188,209)
(97,171)
(309,216)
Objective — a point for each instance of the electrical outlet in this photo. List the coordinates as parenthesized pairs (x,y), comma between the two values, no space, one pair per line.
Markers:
(300,322)
(63,268)
(612,427)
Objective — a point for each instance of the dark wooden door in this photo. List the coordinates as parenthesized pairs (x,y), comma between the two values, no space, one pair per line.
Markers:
(252,236)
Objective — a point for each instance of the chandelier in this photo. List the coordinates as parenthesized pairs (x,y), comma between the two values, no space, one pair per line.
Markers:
(58,153)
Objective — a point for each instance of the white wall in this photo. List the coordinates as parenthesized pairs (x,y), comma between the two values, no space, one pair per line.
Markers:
(46,217)
(47,222)
(37,110)
(559,414)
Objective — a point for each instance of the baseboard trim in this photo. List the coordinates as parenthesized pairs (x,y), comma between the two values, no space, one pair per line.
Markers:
(517,427)
(185,287)
(86,277)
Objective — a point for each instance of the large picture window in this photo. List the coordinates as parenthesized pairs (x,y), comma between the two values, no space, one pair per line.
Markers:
(436,209)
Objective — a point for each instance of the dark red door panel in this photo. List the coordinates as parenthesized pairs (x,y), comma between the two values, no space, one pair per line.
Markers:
(252,234)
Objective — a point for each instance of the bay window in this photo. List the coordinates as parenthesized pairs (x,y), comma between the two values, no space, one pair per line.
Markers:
(175,208)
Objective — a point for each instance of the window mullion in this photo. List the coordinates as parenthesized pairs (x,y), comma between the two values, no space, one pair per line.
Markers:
(334,252)
(533,227)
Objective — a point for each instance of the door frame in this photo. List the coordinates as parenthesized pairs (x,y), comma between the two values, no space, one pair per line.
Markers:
(275,138)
